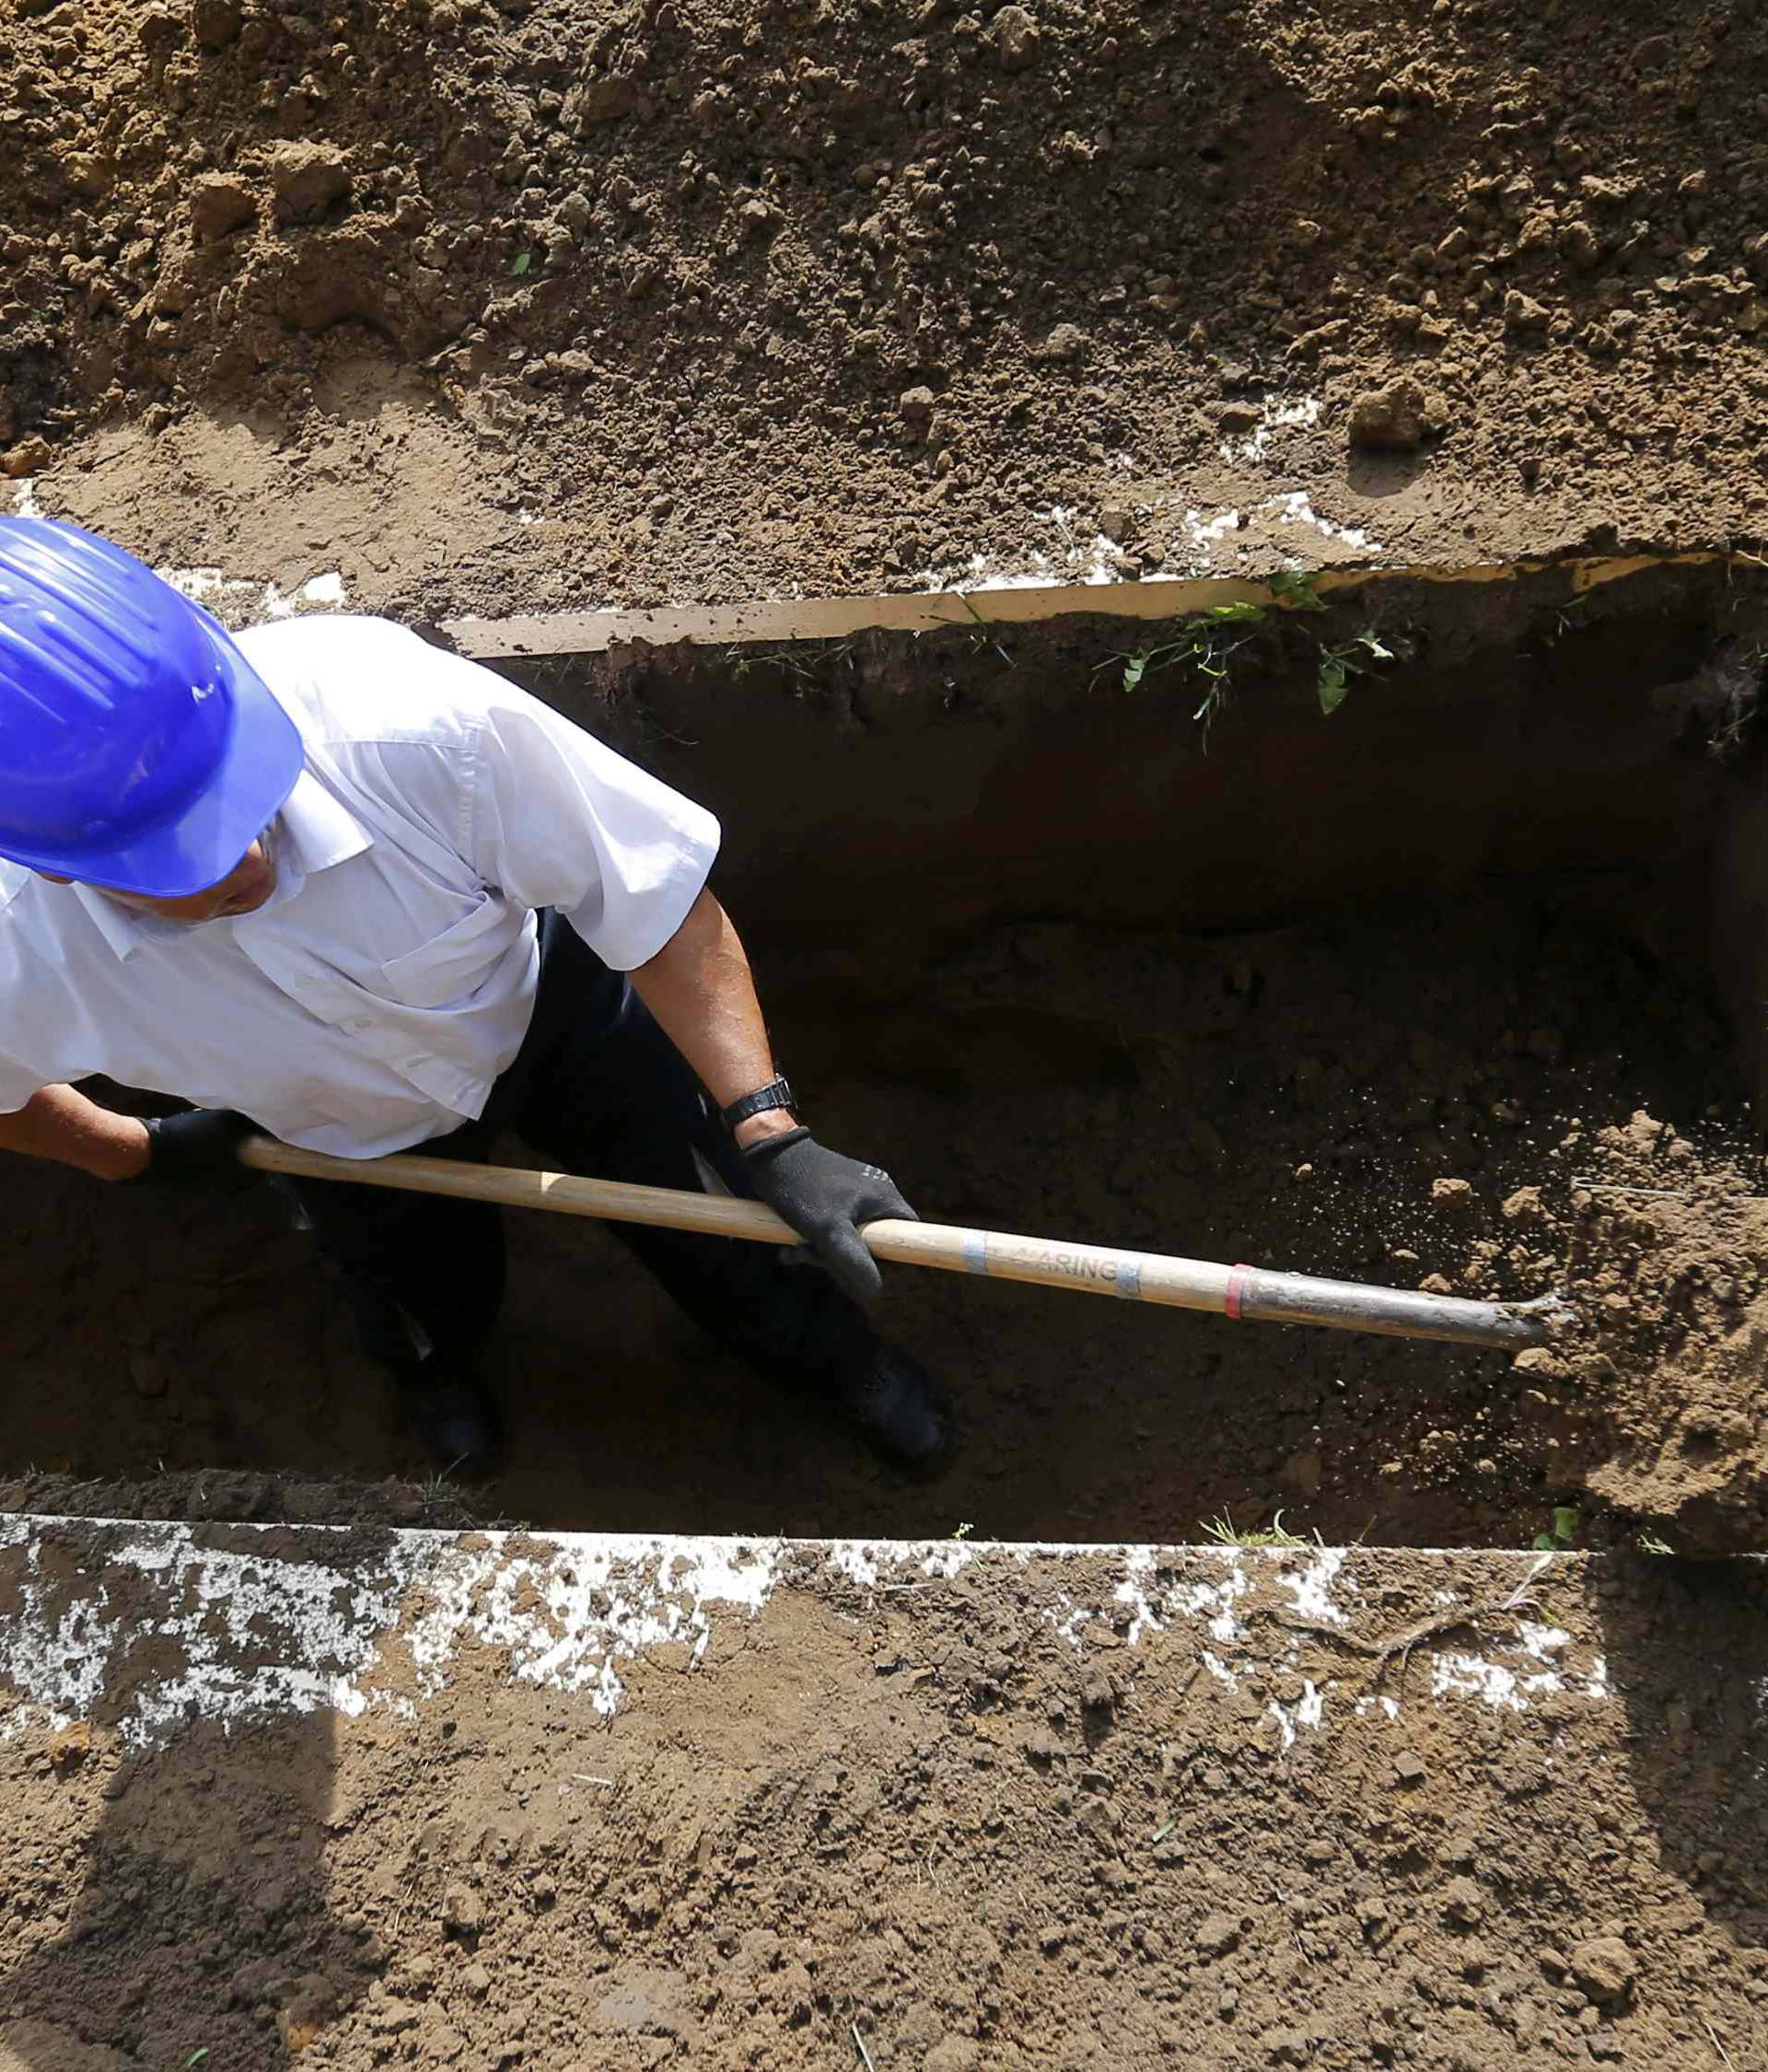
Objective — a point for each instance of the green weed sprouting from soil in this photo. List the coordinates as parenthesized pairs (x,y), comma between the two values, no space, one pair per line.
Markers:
(1740,674)
(982,632)
(1298,589)
(1207,646)
(812,675)
(1563,1538)
(1204,645)
(1276,1534)
(1338,665)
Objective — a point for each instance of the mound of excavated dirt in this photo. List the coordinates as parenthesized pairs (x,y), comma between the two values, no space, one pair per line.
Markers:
(571,302)
(1668,1263)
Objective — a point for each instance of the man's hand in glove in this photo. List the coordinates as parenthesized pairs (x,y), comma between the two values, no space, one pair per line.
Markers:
(825,1198)
(196,1151)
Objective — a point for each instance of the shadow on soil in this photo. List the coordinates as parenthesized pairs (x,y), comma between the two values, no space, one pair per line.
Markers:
(196,1892)
(1688,1660)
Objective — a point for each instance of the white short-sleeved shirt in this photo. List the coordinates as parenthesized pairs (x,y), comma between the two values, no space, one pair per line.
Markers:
(370,1005)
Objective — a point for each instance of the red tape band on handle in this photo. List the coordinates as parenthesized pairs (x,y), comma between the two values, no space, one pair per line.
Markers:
(1236,1276)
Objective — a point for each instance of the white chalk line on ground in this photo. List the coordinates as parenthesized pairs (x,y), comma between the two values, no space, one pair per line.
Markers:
(259,1628)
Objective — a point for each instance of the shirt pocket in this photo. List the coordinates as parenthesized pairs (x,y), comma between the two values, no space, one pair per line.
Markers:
(452,966)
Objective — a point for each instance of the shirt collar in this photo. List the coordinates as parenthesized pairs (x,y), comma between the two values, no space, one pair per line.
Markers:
(314,832)
(124,932)
(317,830)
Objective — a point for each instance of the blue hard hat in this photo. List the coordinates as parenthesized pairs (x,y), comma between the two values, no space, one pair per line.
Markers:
(139,749)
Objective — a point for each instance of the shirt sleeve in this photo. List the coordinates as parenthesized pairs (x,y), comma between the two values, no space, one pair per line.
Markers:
(18,1083)
(560,820)
(18,1080)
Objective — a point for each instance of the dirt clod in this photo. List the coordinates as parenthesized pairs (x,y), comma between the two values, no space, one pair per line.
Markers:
(1217,1934)
(1062,342)
(1396,418)
(71,1747)
(214,23)
(307,179)
(1017,36)
(1285,2046)
(1604,1967)
(220,203)
(303,2010)
(25,458)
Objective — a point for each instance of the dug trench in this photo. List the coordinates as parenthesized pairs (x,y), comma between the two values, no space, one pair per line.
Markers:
(1153,957)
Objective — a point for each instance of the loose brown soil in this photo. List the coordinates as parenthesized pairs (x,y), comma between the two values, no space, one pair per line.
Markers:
(933,1819)
(1667,1267)
(1397,1101)
(573,303)
(240,1496)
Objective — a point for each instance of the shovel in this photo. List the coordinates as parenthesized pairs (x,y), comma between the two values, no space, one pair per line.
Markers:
(1251,1294)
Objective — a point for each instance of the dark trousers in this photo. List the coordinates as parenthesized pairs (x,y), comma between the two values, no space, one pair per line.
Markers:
(598,1088)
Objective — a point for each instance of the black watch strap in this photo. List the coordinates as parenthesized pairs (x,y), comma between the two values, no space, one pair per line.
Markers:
(777,1093)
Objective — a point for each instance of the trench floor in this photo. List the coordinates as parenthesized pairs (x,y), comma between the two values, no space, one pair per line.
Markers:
(1287,1098)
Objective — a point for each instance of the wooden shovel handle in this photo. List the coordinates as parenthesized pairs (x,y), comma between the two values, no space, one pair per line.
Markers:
(1246,1292)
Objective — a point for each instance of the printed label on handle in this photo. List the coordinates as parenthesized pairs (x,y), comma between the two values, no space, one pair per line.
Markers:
(1122,1274)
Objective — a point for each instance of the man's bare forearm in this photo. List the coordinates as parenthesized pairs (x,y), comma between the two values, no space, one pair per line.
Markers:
(60,1123)
(700,988)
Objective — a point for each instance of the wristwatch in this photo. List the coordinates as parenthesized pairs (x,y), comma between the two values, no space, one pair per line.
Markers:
(777,1093)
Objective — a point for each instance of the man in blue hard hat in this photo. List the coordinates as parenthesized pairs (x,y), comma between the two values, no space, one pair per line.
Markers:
(325,881)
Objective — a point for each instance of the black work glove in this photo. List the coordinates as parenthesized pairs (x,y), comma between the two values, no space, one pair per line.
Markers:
(825,1198)
(190,1152)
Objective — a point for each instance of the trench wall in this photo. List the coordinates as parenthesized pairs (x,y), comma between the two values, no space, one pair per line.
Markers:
(902,790)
